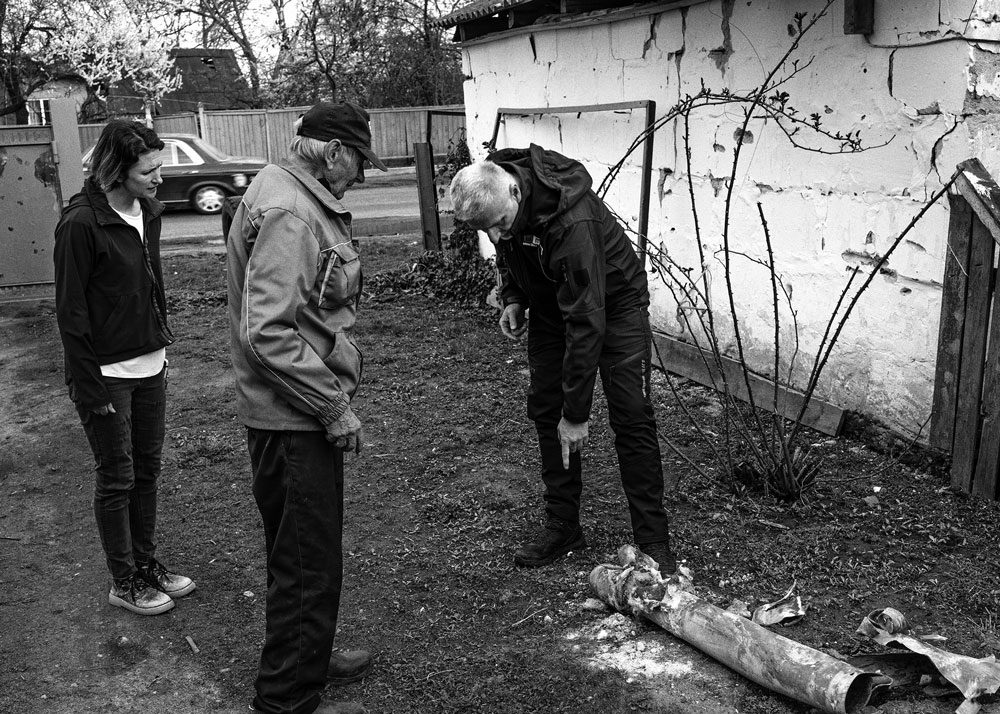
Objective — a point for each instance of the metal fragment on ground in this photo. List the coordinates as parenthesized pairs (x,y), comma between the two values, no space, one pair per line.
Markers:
(775,662)
(977,679)
(786,611)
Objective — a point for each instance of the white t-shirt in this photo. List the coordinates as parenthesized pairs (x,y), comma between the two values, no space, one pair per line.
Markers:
(147,365)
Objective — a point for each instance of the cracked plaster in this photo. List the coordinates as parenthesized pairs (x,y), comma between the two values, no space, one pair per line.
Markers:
(922,77)
(935,102)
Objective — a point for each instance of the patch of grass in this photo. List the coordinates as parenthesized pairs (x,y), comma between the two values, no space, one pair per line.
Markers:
(387,253)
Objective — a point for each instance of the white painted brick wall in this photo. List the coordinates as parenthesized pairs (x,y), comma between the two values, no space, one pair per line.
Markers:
(927,81)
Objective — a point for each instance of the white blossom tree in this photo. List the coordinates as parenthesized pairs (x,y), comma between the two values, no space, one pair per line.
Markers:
(108,46)
(100,43)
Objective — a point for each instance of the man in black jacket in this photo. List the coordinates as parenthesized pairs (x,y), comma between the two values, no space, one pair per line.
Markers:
(563,255)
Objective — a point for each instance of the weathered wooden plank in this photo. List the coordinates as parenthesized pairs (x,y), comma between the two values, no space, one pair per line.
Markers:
(481,26)
(984,482)
(280,128)
(242,134)
(974,182)
(970,380)
(949,354)
(177,124)
(525,15)
(695,364)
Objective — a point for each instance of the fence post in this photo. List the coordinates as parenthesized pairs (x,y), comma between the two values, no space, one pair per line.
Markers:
(66,147)
(267,135)
(427,195)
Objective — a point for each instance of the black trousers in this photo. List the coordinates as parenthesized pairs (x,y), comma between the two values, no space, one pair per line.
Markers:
(624,368)
(127,447)
(298,483)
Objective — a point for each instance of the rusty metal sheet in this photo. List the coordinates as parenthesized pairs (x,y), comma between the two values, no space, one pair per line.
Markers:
(29,205)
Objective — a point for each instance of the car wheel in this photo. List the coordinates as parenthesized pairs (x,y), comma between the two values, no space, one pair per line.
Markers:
(208,199)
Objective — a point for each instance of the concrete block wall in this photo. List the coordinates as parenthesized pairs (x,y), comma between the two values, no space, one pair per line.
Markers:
(923,90)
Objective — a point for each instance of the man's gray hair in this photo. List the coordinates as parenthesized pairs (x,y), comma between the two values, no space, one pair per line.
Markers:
(310,150)
(313,151)
(478,191)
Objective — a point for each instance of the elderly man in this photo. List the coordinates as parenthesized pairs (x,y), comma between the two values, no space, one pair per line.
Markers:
(294,283)
(563,256)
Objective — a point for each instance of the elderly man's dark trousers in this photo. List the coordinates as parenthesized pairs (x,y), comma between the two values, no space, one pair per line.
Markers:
(298,483)
(624,368)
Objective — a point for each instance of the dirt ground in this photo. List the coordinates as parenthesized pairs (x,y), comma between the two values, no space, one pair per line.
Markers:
(435,506)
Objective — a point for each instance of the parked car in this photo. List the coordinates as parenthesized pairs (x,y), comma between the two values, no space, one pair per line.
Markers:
(197,174)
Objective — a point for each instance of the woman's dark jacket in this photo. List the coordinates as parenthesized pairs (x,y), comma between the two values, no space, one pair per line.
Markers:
(570,260)
(110,302)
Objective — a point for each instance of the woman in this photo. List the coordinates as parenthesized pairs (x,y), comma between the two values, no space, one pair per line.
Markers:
(112,316)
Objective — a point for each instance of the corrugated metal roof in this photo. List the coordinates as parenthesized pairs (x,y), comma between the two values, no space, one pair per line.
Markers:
(475,10)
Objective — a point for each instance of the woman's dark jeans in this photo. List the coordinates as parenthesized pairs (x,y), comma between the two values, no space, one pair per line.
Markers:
(127,447)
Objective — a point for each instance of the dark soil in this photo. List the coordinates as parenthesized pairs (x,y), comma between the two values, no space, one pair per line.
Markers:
(445,490)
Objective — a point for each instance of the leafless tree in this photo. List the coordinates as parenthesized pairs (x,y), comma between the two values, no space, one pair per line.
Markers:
(25,29)
(760,445)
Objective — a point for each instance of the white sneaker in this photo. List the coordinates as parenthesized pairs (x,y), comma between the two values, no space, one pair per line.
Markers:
(136,595)
(166,581)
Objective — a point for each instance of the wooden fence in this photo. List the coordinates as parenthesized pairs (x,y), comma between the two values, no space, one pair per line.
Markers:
(179,124)
(265,133)
(966,415)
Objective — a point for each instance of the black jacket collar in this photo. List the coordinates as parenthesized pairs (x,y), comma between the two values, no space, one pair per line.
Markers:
(105,214)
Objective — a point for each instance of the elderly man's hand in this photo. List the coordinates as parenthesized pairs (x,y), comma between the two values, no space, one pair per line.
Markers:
(346,432)
(572,437)
(513,322)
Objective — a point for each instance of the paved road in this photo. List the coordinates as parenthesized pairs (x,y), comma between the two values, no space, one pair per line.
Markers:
(385,204)
(380,206)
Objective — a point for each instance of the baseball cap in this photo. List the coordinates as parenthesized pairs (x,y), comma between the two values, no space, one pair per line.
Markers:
(345,121)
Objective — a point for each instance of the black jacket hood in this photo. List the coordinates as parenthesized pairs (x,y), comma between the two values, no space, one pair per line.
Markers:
(551,183)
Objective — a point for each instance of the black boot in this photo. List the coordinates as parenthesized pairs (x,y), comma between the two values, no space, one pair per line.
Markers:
(664,557)
(557,538)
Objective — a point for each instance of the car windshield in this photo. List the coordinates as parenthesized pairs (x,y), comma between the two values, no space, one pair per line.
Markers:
(209,151)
